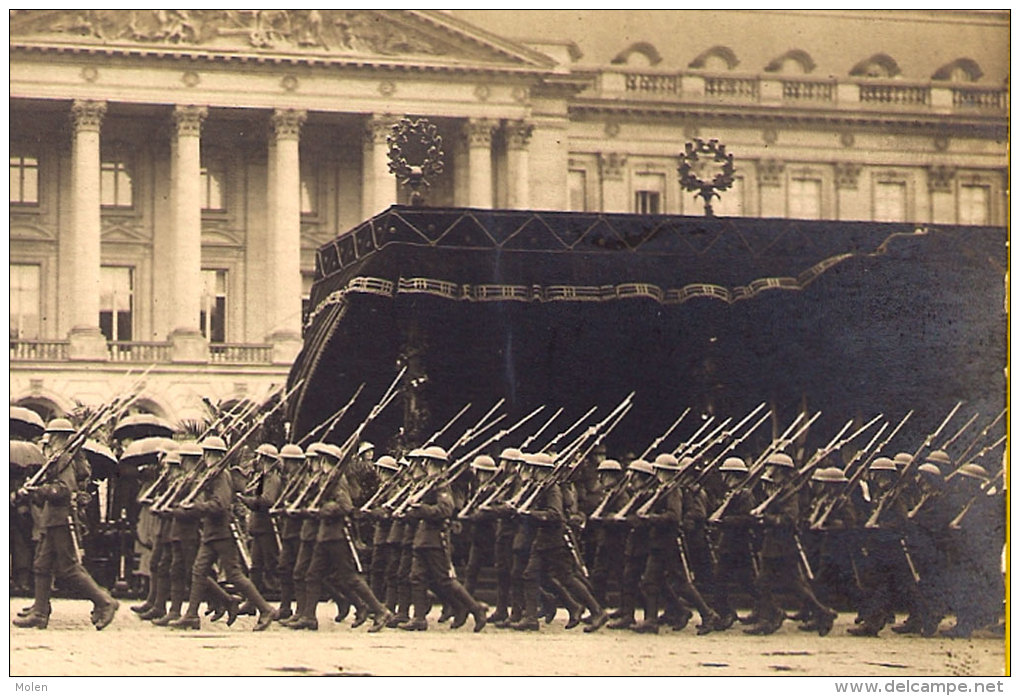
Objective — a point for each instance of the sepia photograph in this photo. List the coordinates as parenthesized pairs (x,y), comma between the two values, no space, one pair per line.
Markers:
(510,343)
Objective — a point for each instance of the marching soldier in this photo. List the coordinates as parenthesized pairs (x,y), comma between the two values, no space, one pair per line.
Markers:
(259,496)
(218,544)
(635,553)
(482,532)
(289,529)
(57,553)
(608,538)
(510,459)
(430,563)
(781,563)
(154,606)
(735,542)
(334,548)
(382,550)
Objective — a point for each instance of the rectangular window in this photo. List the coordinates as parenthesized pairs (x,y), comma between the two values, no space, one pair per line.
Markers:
(307,280)
(648,190)
(974,204)
(213,315)
(890,201)
(115,183)
(577,182)
(24,180)
(116,302)
(309,189)
(214,178)
(806,199)
(729,204)
(26,301)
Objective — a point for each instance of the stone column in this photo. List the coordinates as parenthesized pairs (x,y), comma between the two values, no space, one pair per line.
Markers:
(185,262)
(615,194)
(283,282)
(379,186)
(518,134)
(86,340)
(478,133)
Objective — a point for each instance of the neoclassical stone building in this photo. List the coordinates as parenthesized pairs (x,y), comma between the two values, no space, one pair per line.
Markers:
(172,172)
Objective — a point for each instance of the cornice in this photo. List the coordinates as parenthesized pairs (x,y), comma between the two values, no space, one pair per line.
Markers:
(973,124)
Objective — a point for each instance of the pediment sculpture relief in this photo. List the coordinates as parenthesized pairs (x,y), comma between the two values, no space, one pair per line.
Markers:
(334,31)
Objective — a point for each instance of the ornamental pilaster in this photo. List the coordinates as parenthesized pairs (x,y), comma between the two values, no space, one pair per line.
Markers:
(188,120)
(770,172)
(87,115)
(940,178)
(287,123)
(612,166)
(518,134)
(847,175)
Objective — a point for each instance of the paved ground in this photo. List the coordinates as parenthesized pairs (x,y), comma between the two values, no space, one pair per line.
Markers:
(129,646)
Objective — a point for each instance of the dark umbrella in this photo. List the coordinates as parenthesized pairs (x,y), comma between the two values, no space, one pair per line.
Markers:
(26,455)
(26,423)
(142,453)
(143,425)
(101,458)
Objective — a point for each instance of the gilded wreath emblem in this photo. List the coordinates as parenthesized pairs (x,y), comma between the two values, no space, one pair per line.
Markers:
(707,169)
(415,155)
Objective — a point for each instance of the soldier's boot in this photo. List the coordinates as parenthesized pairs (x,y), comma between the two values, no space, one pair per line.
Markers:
(299,606)
(913,624)
(447,613)
(769,625)
(361,612)
(575,610)
(162,594)
(104,606)
(391,597)
(172,614)
(381,620)
(41,596)
(824,622)
(246,608)
(32,621)
(626,613)
(421,610)
(502,600)
(529,621)
(187,622)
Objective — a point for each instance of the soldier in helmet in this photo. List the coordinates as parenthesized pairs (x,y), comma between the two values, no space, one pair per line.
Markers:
(398,574)
(510,460)
(482,531)
(608,538)
(259,496)
(215,507)
(635,554)
(550,555)
(382,550)
(430,566)
(56,553)
(782,564)
(735,543)
(295,475)
(886,573)
(155,605)
(334,549)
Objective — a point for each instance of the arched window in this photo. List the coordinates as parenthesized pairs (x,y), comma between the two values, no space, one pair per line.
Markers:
(640,53)
(47,409)
(715,59)
(793,61)
(960,70)
(879,65)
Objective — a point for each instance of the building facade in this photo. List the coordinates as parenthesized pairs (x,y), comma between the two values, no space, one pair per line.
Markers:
(172,172)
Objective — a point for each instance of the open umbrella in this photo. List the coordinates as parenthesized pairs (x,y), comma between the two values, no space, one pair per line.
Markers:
(101,458)
(25,455)
(146,451)
(143,425)
(26,423)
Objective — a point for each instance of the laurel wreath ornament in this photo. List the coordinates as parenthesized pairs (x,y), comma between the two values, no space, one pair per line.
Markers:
(697,155)
(415,155)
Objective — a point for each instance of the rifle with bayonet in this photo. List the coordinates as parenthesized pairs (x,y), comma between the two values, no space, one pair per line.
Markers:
(783,493)
(534,436)
(844,495)
(982,490)
(345,450)
(212,472)
(551,445)
(454,471)
(981,436)
(333,419)
(904,478)
(756,470)
(669,431)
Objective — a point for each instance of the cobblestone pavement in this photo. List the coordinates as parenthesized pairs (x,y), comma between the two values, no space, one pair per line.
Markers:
(131,647)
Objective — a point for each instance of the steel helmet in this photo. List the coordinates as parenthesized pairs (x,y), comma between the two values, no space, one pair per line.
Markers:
(666,461)
(511,454)
(686,462)
(190,449)
(931,470)
(214,443)
(902,459)
(609,465)
(974,471)
(267,449)
(416,453)
(365,447)
(542,460)
(435,452)
(291,452)
(734,464)
(59,425)
(829,474)
(780,459)
(484,462)
(172,457)
(387,462)
(314,449)
(331,451)
(882,464)
(939,458)
(642,466)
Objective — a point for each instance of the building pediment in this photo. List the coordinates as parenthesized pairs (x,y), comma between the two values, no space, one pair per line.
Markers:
(359,36)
